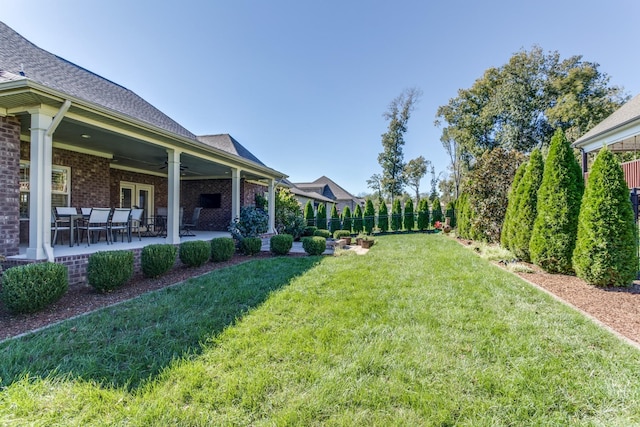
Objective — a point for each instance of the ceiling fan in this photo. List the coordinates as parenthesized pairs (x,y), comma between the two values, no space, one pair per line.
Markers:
(166,164)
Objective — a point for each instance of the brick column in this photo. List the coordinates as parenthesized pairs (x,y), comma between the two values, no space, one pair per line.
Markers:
(9,185)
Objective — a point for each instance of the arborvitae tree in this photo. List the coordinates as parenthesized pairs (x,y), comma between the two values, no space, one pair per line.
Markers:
(464,216)
(508,228)
(346,218)
(396,215)
(357,219)
(309,214)
(383,217)
(423,214)
(334,223)
(369,217)
(451,213)
(554,230)
(606,252)
(525,214)
(436,211)
(409,220)
(321,217)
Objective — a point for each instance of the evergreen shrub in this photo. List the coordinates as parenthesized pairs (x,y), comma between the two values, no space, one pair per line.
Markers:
(369,217)
(222,249)
(383,217)
(508,228)
(339,234)
(525,214)
(309,214)
(436,211)
(323,233)
(357,219)
(309,230)
(346,218)
(32,287)
(423,214)
(194,253)
(334,222)
(409,221)
(251,245)
(281,244)
(156,260)
(109,270)
(321,217)
(396,215)
(315,245)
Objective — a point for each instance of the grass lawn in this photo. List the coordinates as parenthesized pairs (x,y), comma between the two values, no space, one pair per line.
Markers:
(420,331)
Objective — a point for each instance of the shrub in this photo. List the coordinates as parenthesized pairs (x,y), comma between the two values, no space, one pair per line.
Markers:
(450,212)
(252,223)
(32,287)
(157,259)
(314,245)
(357,219)
(334,223)
(251,245)
(346,218)
(606,252)
(423,214)
(464,216)
(383,217)
(288,214)
(323,233)
(109,270)
(396,215)
(293,224)
(281,244)
(309,214)
(436,211)
(525,214)
(409,221)
(339,234)
(554,231)
(508,227)
(222,249)
(369,217)
(194,253)
(309,230)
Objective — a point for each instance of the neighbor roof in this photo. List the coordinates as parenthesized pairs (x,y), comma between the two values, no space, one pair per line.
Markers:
(20,57)
(627,113)
(229,144)
(319,185)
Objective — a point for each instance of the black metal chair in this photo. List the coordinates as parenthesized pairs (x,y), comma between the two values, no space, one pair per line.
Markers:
(186,229)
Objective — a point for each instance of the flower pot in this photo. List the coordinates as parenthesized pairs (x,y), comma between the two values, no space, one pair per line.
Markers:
(359,241)
(366,244)
(348,239)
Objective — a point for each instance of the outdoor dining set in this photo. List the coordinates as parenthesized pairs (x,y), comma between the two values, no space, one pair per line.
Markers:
(89,223)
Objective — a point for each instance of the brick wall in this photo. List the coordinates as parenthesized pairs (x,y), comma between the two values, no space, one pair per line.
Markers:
(9,185)
(210,219)
(249,191)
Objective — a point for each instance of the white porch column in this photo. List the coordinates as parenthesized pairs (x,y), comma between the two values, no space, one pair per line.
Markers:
(173,200)
(235,193)
(271,197)
(40,186)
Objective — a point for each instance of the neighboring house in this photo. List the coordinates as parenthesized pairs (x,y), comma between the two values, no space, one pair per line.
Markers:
(69,137)
(620,132)
(303,196)
(332,191)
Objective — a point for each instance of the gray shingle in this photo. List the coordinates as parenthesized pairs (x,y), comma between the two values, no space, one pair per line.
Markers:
(226,142)
(630,111)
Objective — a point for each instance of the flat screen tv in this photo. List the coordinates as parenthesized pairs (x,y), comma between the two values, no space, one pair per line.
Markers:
(210,201)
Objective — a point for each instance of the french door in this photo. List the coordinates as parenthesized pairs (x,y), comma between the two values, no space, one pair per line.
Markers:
(133,194)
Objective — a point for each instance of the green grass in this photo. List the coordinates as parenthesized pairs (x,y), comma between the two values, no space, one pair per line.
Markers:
(420,331)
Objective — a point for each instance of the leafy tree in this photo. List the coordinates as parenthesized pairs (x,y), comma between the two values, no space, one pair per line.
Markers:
(375,183)
(288,218)
(423,214)
(369,217)
(458,161)
(334,223)
(409,220)
(357,219)
(309,214)
(346,218)
(508,226)
(392,158)
(606,252)
(321,217)
(436,211)
(487,187)
(383,217)
(396,215)
(413,173)
(525,214)
(554,231)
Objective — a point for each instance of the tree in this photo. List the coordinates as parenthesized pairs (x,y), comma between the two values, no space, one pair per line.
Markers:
(465,217)
(392,158)
(450,212)
(288,214)
(525,214)
(346,218)
(383,217)
(554,230)
(334,222)
(321,217)
(606,252)
(508,226)
(436,211)
(375,183)
(309,214)
(369,217)
(457,161)
(409,220)
(396,215)
(357,219)
(413,173)
(423,214)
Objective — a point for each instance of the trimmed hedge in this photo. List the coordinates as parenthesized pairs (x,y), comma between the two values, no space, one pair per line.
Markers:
(251,245)
(194,253)
(109,270)
(323,233)
(156,260)
(314,245)
(281,244)
(338,234)
(32,287)
(222,249)
(309,230)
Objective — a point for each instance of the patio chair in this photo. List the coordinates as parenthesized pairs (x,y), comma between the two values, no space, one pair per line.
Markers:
(186,228)
(56,226)
(85,212)
(120,223)
(97,221)
(135,222)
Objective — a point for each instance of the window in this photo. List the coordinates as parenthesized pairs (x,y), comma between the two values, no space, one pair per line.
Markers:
(60,187)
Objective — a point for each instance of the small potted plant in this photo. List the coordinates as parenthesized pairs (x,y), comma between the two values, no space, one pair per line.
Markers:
(367,242)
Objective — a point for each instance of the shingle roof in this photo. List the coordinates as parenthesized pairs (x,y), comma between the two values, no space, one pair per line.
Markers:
(629,112)
(227,143)
(323,183)
(18,56)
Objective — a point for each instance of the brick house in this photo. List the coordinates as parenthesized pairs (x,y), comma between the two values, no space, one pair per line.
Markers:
(69,137)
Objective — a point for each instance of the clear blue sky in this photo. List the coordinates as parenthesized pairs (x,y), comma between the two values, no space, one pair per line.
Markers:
(303,84)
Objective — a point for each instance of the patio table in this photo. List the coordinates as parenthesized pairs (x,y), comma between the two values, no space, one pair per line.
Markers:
(72,226)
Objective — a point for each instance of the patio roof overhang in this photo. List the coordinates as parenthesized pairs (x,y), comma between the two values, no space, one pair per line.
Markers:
(130,144)
(625,137)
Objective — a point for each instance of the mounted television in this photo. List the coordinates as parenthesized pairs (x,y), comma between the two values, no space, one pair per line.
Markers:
(211,201)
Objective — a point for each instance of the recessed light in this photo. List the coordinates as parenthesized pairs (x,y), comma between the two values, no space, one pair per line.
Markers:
(85,136)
